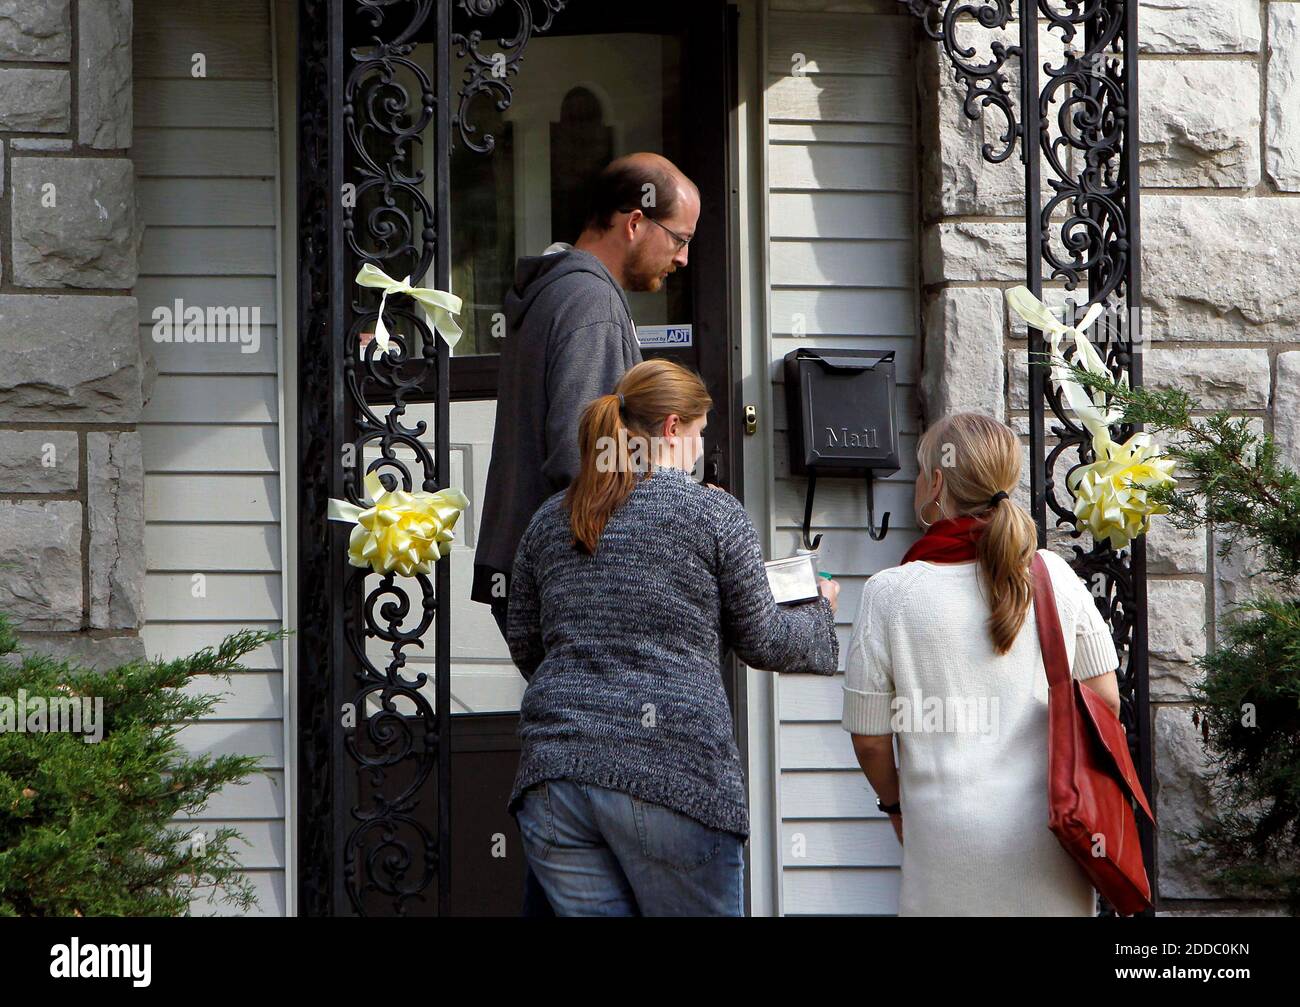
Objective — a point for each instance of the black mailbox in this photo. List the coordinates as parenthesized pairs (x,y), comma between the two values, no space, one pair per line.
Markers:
(840,406)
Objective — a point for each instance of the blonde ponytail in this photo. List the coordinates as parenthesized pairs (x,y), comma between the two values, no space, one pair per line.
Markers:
(980,459)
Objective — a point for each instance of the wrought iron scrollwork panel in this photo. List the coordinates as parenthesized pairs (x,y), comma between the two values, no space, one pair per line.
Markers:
(487,73)
(985,81)
(1108,572)
(374,790)
(350,91)
(392,843)
(1086,97)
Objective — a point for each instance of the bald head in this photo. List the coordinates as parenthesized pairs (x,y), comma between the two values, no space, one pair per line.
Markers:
(645,181)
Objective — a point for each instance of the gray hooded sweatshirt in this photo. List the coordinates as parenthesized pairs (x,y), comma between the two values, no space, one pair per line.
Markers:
(569,340)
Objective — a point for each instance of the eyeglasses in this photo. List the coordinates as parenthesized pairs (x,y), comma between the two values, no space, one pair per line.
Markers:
(681,242)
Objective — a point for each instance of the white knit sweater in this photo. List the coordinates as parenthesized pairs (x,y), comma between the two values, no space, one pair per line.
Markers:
(972,737)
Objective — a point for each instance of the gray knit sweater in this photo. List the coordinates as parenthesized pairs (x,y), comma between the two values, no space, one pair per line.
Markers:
(622,649)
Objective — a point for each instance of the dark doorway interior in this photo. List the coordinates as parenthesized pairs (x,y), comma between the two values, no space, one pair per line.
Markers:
(693,43)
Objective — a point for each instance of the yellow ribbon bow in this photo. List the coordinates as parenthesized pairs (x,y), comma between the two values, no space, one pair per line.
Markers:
(400,531)
(1110,494)
(436,306)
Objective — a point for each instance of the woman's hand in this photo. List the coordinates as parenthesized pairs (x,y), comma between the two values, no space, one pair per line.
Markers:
(896,821)
(830,590)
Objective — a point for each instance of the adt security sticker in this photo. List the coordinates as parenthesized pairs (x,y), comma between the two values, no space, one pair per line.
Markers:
(672,336)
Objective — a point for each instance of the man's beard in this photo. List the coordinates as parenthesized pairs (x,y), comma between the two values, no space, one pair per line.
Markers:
(641,274)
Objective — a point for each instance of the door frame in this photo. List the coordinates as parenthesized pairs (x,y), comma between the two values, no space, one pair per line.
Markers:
(329,665)
(709,151)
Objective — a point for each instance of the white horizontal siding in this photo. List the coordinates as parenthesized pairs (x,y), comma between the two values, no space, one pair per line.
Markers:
(843,251)
(833,97)
(841,844)
(228,498)
(203,153)
(205,159)
(206,597)
(234,35)
(240,202)
(212,449)
(854,215)
(250,696)
(207,251)
(871,891)
(841,312)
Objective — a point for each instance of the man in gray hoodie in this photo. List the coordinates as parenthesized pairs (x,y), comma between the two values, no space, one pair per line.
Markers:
(570,337)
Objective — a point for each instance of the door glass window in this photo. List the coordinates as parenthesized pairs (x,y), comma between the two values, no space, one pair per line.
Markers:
(579,101)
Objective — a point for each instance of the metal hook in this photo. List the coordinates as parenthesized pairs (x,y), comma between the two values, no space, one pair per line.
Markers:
(876,535)
(871,512)
(807,512)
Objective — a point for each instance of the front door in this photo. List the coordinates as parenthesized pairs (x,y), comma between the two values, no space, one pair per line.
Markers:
(605,80)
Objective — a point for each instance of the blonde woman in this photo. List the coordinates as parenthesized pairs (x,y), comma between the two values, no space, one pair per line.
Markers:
(627,589)
(944,657)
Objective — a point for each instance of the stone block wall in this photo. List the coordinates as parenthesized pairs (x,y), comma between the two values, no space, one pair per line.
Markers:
(71,472)
(1220,171)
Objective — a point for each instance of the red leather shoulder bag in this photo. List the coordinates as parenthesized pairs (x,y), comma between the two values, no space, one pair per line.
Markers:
(1091,780)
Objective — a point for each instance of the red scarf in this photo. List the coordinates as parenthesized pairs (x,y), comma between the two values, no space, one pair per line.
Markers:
(949,541)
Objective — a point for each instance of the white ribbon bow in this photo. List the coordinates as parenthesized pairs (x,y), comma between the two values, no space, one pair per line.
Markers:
(1090,408)
(436,306)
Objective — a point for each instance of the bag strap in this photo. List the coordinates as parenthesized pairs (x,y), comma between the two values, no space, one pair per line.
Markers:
(1050,639)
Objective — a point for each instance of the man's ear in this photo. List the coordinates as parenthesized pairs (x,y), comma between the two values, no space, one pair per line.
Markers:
(630,224)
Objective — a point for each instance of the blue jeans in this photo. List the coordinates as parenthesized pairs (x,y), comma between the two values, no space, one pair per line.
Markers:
(600,852)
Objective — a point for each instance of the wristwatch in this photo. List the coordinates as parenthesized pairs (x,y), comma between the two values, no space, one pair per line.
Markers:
(890,809)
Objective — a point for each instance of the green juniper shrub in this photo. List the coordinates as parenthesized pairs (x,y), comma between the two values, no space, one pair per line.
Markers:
(88,829)
(1250,705)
